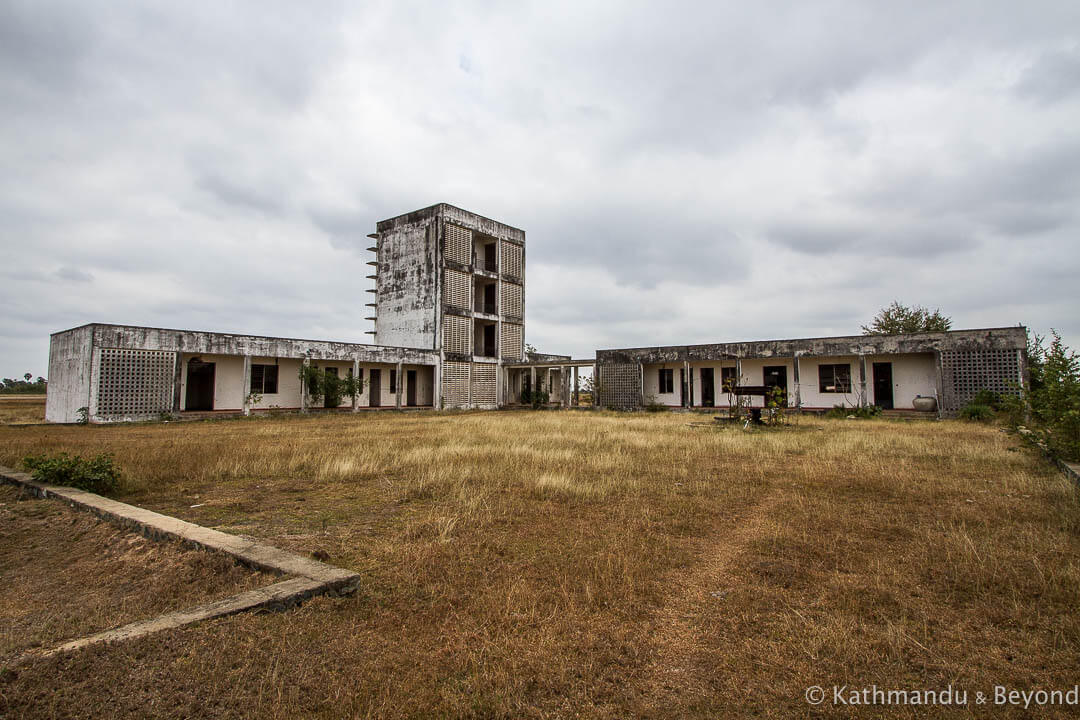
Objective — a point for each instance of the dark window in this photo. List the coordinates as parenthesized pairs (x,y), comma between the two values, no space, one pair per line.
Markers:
(728,382)
(332,371)
(264,379)
(667,381)
(393,381)
(834,378)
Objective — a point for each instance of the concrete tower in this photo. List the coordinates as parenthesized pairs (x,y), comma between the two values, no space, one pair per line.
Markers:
(452,281)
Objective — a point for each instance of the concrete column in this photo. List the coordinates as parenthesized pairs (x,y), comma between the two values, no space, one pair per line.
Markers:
(400,382)
(356,374)
(178,377)
(864,401)
(797,378)
(303,386)
(577,391)
(564,377)
(641,381)
(688,397)
(247,385)
(738,371)
(532,381)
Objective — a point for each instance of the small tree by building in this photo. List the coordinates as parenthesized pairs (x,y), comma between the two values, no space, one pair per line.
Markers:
(897,319)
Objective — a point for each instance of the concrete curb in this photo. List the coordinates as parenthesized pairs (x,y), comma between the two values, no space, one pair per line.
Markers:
(157,527)
(312,577)
(279,596)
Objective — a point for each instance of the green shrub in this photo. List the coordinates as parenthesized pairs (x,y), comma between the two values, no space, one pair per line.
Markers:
(977,412)
(989,398)
(99,474)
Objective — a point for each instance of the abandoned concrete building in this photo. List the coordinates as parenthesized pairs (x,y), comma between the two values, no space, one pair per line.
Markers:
(449,314)
(943,369)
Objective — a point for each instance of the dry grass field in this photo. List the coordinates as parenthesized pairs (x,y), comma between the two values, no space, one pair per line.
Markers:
(22,409)
(64,574)
(568,564)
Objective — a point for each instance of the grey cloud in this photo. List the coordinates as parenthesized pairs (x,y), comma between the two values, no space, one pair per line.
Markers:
(702,171)
(1054,77)
(72,274)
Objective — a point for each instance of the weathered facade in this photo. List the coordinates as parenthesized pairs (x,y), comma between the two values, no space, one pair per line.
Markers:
(449,309)
(453,282)
(113,373)
(889,371)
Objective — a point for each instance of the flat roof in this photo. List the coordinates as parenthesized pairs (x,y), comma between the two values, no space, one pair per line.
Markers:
(241,335)
(827,337)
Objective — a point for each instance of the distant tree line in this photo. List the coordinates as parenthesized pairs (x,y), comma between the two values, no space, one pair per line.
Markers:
(26,386)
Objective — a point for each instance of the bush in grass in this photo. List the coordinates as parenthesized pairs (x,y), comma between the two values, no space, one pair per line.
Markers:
(977,412)
(99,474)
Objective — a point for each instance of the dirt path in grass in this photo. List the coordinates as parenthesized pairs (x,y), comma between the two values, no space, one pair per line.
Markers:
(675,676)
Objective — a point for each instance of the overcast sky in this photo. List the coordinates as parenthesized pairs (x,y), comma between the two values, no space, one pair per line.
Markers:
(684,172)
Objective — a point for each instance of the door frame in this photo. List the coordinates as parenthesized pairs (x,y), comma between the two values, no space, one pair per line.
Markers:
(710,385)
(188,385)
(375,387)
(874,383)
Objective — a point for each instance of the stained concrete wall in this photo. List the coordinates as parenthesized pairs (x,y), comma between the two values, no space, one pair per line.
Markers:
(69,378)
(406,285)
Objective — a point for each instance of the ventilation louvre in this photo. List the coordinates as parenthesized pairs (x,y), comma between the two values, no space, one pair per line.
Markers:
(459,242)
(455,384)
(135,383)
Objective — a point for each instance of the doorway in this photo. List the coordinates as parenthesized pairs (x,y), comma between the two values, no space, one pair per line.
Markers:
(200,386)
(410,388)
(375,388)
(883,387)
(707,398)
(776,376)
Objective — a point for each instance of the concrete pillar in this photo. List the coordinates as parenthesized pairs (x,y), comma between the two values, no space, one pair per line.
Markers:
(564,378)
(400,382)
(532,381)
(797,379)
(577,391)
(596,384)
(641,381)
(356,374)
(306,362)
(178,376)
(688,396)
(247,384)
(864,400)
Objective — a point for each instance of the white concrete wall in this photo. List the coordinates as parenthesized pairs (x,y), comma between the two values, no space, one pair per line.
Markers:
(288,394)
(425,384)
(913,375)
(70,372)
(651,388)
(813,397)
(229,390)
(720,398)
(386,398)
